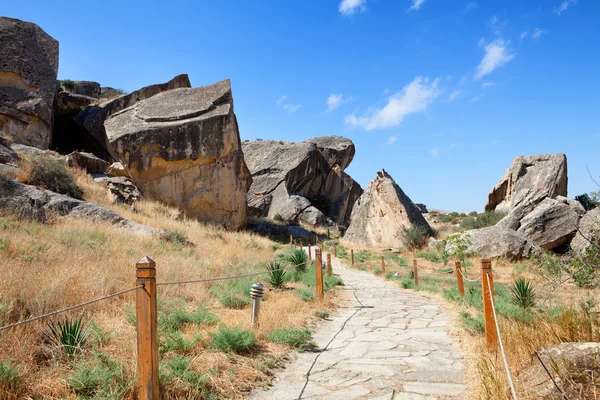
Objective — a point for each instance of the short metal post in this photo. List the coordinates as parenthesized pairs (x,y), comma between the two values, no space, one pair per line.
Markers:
(459,279)
(382,264)
(329,265)
(487,286)
(416,272)
(319,272)
(352,255)
(256,293)
(147,331)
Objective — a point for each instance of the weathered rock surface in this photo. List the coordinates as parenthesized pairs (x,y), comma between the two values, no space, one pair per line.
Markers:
(87,161)
(528,181)
(551,224)
(27,151)
(313,170)
(66,101)
(422,208)
(117,169)
(380,214)
(588,232)
(497,241)
(28,69)
(109,93)
(7,155)
(182,147)
(83,88)
(312,216)
(577,361)
(92,119)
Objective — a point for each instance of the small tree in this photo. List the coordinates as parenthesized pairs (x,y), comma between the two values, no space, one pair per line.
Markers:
(458,246)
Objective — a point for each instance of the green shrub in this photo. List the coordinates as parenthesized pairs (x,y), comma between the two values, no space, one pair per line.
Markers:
(483,220)
(331,281)
(429,256)
(53,175)
(276,274)
(401,261)
(68,84)
(297,258)
(414,237)
(68,335)
(178,369)
(9,375)
(233,339)
(585,267)
(589,201)
(101,378)
(475,326)
(549,265)
(322,314)
(173,315)
(305,294)
(278,218)
(296,337)
(523,293)
(233,294)
(377,271)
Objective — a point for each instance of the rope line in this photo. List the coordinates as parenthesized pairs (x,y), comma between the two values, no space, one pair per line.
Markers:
(87,303)
(509,376)
(467,279)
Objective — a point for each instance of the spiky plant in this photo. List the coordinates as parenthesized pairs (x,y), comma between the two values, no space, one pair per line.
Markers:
(68,335)
(277,273)
(298,259)
(523,293)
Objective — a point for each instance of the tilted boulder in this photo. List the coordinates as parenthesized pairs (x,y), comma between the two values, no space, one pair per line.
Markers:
(28,69)
(313,170)
(182,147)
(380,214)
(528,181)
(87,161)
(497,241)
(91,119)
(83,88)
(588,232)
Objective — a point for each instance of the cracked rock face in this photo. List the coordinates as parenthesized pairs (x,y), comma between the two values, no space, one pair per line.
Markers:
(28,69)
(182,147)
(380,214)
(288,178)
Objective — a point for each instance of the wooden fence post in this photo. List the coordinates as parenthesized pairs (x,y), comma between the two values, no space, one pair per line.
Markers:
(147,332)
(291,240)
(309,253)
(352,255)
(319,272)
(329,265)
(335,250)
(322,247)
(382,264)
(416,272)
(459,279)
(487,285)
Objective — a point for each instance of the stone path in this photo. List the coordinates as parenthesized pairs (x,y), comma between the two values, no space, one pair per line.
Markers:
(385,343)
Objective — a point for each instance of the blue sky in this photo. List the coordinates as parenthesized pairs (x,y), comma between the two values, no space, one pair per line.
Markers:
(442,94)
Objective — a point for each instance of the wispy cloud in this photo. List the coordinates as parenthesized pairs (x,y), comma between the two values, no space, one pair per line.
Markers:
(391,140)
(282,102)
(336,100)
(496,25)
(415,97)
(524,35)
(434,152)
(497,54)
(564,6)
(471,5)
(350,7)
(486,85)
(416,4)
(537,33)
(281,99)
(495,142)
(454,95)
(476,98)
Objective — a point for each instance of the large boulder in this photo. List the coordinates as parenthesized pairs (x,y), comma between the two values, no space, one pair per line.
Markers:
(83,88)
(313,170)
(87,161)
(497,241)
(92,118)
(528,181)
(28,69)
(380,214)
(182,147)
(588,232)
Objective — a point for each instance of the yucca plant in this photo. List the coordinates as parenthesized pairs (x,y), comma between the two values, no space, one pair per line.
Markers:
(277,273)
(299,259)
(69,335)
(523,293)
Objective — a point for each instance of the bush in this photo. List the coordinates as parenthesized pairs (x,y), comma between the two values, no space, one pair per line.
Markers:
(305,294)
(322,314)
(483,220)
(278,218)
(523,293)
(233,294)
(589,201)
(276,274)
(429,256)
(296,337)
(9,375)
(233,339)
(102,378)
(70,336)
(298,259)
(415,237)
(584,265)
(53,175)
(472,325)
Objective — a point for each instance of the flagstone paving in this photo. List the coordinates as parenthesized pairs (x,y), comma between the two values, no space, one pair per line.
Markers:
(384,343)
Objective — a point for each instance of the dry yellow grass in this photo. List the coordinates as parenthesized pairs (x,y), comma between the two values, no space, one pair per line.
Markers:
(48,267)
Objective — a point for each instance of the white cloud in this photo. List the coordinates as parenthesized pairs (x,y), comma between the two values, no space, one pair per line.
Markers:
(471,5)
(349,7)
(496,55)
(391,140)
(496,25)
(434,152)
(416,4)
(564,6)
(495,142)
(524,34)
(386,91)
(537,33)
(476,98)
(336,100)
(487,84)
(454,95)
(415,97)
(281,100)
(452,146)
(292,107)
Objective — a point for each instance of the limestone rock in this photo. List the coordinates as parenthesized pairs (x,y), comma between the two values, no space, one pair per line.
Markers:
(380,214)
(27,151)
(83,88)
(92,119)
(182,147)
(528,181)
(497,241)
(87,161)
(7,155)
(122,190)
(117,169)
(285,207)
(337,150)
(27,82)
(109,93)
(589,231)
(312,216)
(422,208)
(66,101)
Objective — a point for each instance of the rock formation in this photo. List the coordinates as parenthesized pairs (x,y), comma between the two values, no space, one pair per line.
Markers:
(291,178)
(182,147)
(588,232)
(82,88)
(496,241)
(380,214)
(28,69)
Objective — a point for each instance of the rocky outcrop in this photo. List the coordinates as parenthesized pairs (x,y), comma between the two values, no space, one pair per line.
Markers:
(497,241)
(301,175)
(83,88)
(182,147)
(422,208)
(380,214)
(67,101)
(7,155)
(92,119)
(87,161)
(528,181)
(28,69)
(117,169)
(588,232)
